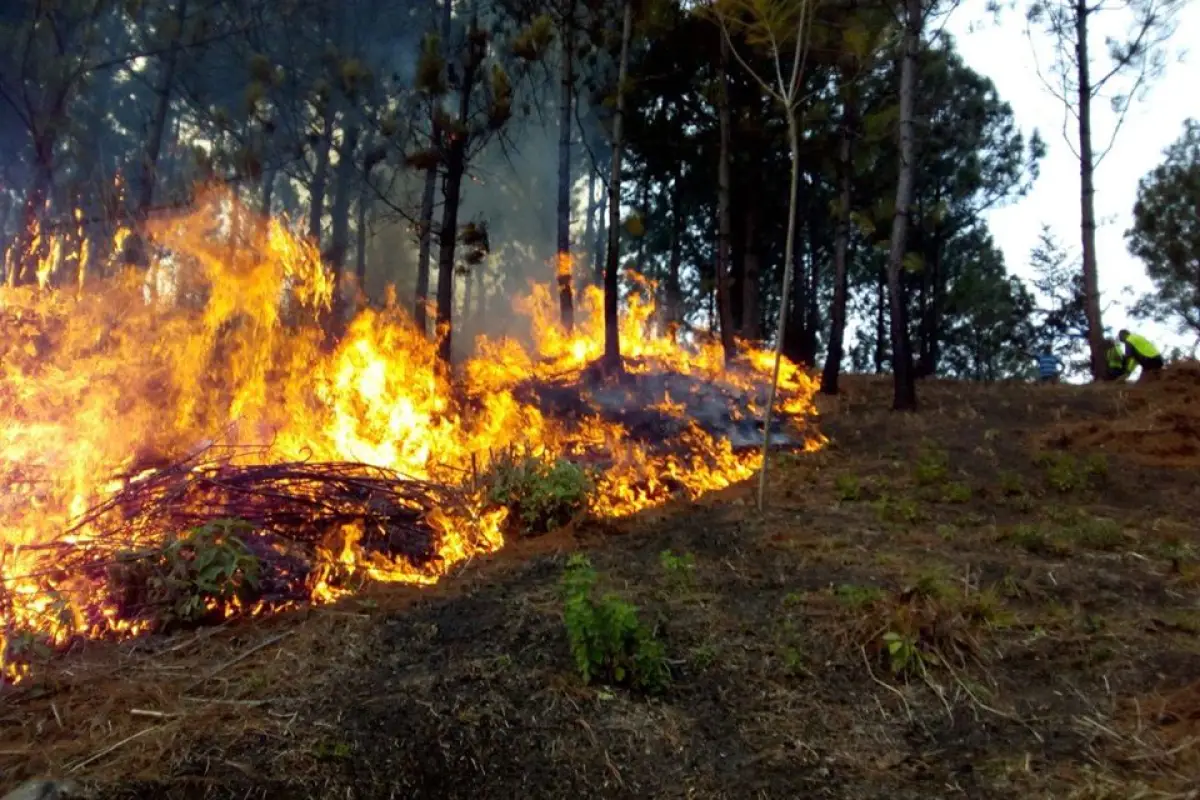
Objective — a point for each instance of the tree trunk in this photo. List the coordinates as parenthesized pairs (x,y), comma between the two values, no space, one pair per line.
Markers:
(724,208)
(565,267)
(905,398)
(1087,194)
(30,247)
(360,246)
(158,124)
(425,225)
(841,250)
(316,209)
(589,234)
(781,332)
(599,248)
(880,319)
(674,294)
(612,335)
(751,314)
(339,238)
(456,158)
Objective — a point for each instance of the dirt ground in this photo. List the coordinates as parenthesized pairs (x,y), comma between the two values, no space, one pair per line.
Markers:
(1039,590)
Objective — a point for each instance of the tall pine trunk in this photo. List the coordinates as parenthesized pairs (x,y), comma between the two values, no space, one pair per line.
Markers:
(589,234)
(456,166)
(1087,193)
(612,335)
(724,207)
(158,123)
(674,293)
(905,398)
(751,314)
(564,266)
(789,249)
(320,181)
(841,250)
(425,225)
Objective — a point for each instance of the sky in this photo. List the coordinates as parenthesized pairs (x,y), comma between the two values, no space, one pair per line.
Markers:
(1004,53)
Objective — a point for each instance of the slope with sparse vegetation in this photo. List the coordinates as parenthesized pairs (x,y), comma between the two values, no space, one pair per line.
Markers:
(958,602)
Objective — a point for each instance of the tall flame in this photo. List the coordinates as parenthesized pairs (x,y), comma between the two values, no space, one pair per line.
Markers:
(213,342)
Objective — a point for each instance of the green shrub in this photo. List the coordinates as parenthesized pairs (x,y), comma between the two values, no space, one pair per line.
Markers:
(848,488)
(608,642)
(956,493)
(932,466)
(541,495)
(1011,484)
(192,577)
(1099,534)
(679,569)
(855,596)
(898,509)
(1065,473)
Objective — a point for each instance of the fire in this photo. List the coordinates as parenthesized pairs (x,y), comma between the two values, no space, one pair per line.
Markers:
(106,381)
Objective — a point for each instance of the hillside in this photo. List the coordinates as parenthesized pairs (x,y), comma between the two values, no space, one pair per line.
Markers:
(997,597)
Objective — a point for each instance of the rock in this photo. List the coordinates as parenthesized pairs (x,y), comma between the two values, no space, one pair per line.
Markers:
(43,789)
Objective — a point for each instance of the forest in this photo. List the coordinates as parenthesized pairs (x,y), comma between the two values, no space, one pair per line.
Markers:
(452,153)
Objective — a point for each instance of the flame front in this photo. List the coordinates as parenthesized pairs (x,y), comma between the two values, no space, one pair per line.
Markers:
(103,381)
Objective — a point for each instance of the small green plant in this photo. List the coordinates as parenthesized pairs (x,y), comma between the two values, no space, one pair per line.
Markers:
(947,532)
(703,656)
(541,495)
(904,654)
(1098,534)
(1011,484)
(898,509)
(956,493)
(932,466)
(194,576)
(848,488)
(680,570)
(608,642)
(1065,474)
(855,596)
(1034,539)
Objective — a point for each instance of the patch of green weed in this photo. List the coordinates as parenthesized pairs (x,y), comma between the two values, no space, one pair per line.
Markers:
(608,641)
(848,488)
(855,596)
(898,509)
(956,493)
(932,466)
(680,570)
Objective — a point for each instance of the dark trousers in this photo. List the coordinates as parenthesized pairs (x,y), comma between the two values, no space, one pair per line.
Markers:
(1149,364)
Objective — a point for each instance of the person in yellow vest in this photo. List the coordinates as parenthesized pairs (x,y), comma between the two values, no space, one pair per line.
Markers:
(1143,352)
(1119,365)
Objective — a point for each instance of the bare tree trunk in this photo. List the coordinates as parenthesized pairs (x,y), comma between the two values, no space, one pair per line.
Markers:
(880,319)
(751,314)
(781,331)
(1087,194)
(905,398)
(564,265)
(456,158)
(316,209)
(674,293)
(425,229)
(841,250)
(612,335)
(339,238)
(360,245)
(158,124)
(724,208)
(589,234)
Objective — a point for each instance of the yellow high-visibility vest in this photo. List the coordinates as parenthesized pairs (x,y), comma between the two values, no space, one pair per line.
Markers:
(1142,345)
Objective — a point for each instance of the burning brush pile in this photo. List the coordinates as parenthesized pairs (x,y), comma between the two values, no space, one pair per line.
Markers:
(181,444)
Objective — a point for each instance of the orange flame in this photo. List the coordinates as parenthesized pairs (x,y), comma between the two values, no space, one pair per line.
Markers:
(221,343)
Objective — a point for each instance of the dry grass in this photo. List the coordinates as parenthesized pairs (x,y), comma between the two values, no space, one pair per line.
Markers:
(1064,672)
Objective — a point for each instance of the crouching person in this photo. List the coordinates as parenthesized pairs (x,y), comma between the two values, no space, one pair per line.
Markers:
(1118,366)
(1144,353)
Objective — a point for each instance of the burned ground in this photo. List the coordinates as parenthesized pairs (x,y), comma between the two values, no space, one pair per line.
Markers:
(1050,599)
